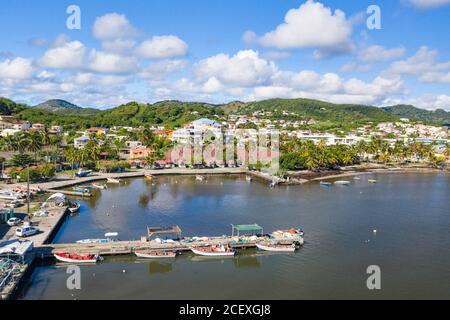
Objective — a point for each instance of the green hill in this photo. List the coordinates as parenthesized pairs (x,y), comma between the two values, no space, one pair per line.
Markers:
(64,107)
(327,116)
(437,116)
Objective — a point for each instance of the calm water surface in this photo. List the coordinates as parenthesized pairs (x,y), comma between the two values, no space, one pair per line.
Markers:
(410,213)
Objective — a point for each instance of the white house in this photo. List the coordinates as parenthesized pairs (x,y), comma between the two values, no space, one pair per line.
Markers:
(81,142)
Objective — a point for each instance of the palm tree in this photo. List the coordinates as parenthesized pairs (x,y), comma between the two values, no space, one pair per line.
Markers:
(34,143)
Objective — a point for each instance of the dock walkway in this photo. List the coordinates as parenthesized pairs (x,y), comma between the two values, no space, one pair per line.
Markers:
(129,247)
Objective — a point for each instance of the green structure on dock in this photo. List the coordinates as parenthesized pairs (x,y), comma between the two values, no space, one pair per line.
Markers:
(246,228)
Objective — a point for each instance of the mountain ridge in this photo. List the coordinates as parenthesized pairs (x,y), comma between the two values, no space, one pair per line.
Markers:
(173,113)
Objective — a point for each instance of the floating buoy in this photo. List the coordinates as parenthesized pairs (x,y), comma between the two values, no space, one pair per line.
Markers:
(374,230)
(124,271)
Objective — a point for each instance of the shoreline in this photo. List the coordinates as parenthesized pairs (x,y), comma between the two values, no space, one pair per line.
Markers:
(295,178)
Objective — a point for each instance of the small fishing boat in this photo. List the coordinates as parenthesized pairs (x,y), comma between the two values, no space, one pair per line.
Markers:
(325,184)
(153,254)
(113,180)
(372,181)
(77,258)
(214,251)
(74,207)
(342,182)
(356,178)
(80,190)
(248,178)
(99,186)
(199,178)
(276,247)
(108,239)
(89,241)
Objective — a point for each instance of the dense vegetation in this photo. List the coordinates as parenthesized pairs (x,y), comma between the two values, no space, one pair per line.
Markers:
(438,116)
(327,116)
(297,154)
(65,107)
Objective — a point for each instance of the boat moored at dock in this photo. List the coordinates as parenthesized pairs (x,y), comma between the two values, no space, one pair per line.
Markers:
(77,258)
(342,183)
(154,254)
(113,180)
(214,251)
(273,247)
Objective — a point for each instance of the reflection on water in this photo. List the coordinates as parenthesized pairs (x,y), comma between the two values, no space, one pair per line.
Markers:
(159,267)
(410,213)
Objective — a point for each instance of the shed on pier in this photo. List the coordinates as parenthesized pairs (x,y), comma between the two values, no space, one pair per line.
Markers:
(246,228)
(175,230)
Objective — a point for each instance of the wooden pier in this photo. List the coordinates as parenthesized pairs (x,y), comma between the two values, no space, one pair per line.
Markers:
(129,247)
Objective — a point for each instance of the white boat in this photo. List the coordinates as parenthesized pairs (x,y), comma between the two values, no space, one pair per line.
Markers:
(214,251)
(153,254)
(77,258)
(99,186)
(199,178)
(326,184)
(89,241)
(276,247)
(113,180)
(356,178)
(342,182)
(74,207)
(108,239)
(372,181)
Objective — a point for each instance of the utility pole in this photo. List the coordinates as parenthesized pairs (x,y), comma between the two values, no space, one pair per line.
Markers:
(28,190)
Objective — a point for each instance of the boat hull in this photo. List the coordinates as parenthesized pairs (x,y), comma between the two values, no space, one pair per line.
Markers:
(212,254)
(275,249)
(154,256)
(67,259)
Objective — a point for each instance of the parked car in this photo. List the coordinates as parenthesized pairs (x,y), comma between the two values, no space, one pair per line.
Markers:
(12,222)
(26,231)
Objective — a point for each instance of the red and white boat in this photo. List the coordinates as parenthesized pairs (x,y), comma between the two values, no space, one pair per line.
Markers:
(77,258)
(214,251)
(152,254)
(276,247)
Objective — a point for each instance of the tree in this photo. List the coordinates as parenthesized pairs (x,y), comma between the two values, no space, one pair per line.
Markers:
(21,160)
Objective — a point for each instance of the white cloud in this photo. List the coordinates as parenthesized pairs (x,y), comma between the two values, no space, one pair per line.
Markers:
(161,68)
(159,47)
(118,45)
(113,26)
(376,53)
(244,69)
(16,69)
(275,55)
(105,62)
(68,56)
(427,4)
(312,25)
(426,101)
(423,65)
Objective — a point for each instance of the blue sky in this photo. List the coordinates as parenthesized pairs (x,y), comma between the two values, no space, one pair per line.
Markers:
(218,51)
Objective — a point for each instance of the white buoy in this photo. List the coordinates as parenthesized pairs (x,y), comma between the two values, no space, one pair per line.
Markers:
(374,230)
(124,271)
